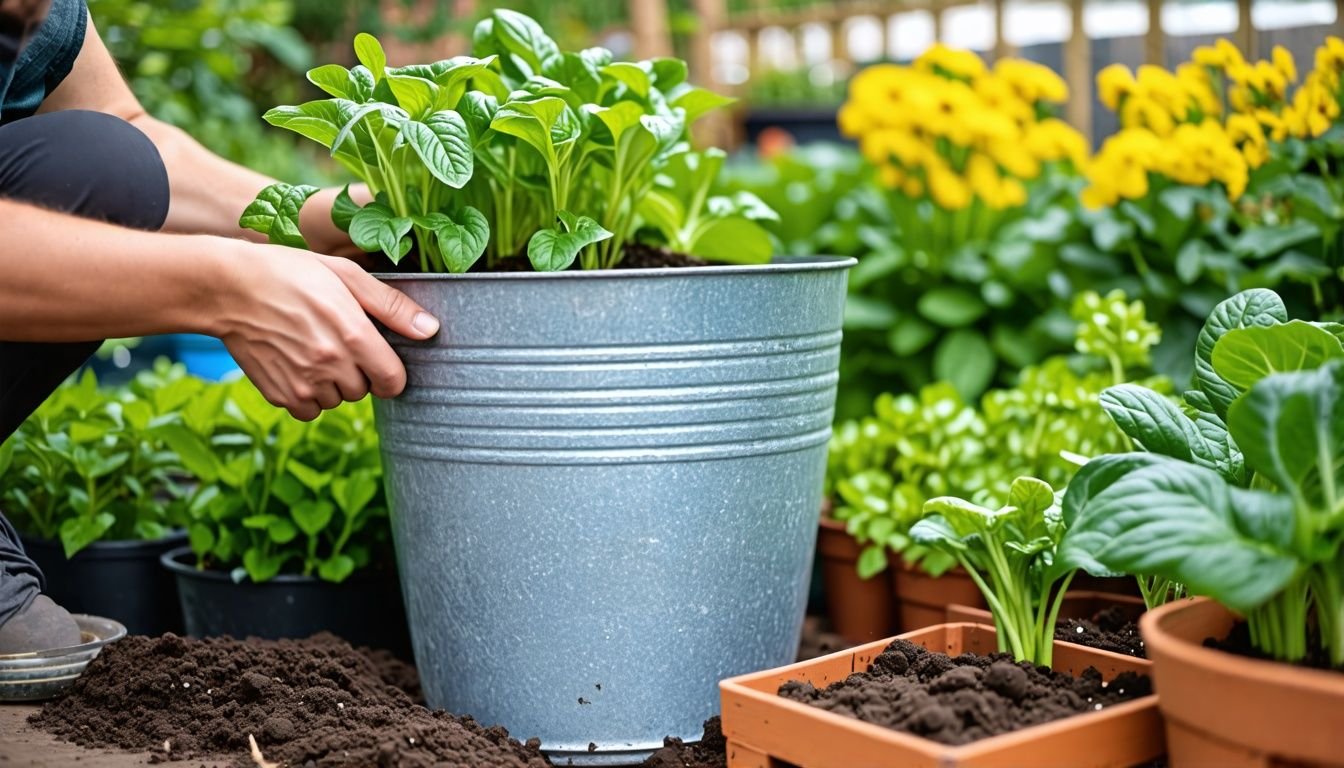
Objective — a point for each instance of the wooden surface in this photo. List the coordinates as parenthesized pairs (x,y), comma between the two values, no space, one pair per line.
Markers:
(22,746)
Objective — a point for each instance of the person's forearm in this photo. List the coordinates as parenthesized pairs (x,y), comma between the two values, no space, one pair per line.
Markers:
(208,192)
(72,279)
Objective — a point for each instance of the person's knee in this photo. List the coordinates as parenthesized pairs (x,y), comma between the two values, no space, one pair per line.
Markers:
(87,163)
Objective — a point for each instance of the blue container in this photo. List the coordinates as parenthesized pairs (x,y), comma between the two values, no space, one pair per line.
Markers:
(204,356)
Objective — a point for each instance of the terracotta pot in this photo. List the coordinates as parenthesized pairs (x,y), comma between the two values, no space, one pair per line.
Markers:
(923,599)
(1236,712)
(860,610)
(1077,605)
(764,729)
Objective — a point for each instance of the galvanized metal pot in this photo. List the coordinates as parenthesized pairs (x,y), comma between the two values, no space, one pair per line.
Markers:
(604,491)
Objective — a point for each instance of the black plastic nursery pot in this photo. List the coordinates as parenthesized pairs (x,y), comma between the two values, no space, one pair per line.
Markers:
(119,580)
(365,609)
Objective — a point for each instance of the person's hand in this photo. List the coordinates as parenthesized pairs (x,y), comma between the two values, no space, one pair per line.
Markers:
(296,323)
(321,232)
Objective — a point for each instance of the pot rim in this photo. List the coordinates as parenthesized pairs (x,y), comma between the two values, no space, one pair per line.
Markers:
(170,561)
(110,545)
(1263,672)
(781,265)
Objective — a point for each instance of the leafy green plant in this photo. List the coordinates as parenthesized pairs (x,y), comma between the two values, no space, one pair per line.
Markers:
(278,495)
(915,447)
(91,463)
(520,147)
(1238,497)
(1010,553)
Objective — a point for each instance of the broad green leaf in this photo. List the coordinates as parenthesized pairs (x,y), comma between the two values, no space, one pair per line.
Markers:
(630,75)
(478,111)
(377,228)
(552,250)
(619,117)
(275,213)
(667,72)
(1157,425)
(370,53)
(534,122)
(281,531)
(1261,242)
(743,203)
(1256,307)
(320,121)
(333,79)
(732,240)
(964,517)
(461,238)
(443,143)
(1187,524)
(261,566)
(700,101)
(936,531)
(196,455)
(910,335)
(312,479)
(1290,427)
(1031,497)
(872,561)
(524,38)
(79,532)
(663,211)
(343,210)
(336,569)
(416,95)
(951,306)
(312,516)
(201,538)
(352,494)
(1244,356)
(965,359)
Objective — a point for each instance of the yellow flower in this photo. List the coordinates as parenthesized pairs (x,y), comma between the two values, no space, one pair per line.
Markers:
(954,62)
(912,187)
(1033,82)
(1231,53)
(948,189)
(1283,61)
(1113,84)
(1053,139)
(1247,132)
(891,176)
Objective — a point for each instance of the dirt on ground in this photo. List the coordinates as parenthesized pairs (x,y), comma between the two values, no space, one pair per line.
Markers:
(1107,630)
(963,699)
(710,752)
(315,702)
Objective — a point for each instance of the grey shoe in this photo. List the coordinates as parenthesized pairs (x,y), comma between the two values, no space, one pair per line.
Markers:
(42,626)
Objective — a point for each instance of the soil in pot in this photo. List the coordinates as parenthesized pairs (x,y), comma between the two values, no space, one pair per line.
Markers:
(1110,629)
(963,699)
(637,256)
(314,702)
(1238,641)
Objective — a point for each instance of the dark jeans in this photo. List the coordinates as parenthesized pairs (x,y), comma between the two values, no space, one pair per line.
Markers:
(91,165)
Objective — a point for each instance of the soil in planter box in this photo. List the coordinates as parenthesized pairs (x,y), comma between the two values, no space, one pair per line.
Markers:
(637,256)
(1238,641)
(964,699)
(314,702)
(1107,630)
(710,752)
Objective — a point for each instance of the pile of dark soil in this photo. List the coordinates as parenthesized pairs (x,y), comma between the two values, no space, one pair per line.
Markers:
(1107,630)
(1238,641)
(314,702)
(710,752)
(963,699)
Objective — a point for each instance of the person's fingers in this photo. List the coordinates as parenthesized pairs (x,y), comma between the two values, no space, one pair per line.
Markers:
(389,306)
(352,384)
(328,396)
(381,366)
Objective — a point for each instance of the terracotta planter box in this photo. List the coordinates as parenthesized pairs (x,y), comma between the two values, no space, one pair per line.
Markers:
(763,728)
(860,610)
(1077,605)
(1235,712)
(923,599)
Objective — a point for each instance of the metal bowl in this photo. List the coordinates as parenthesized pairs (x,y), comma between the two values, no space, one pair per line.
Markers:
(45,674)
